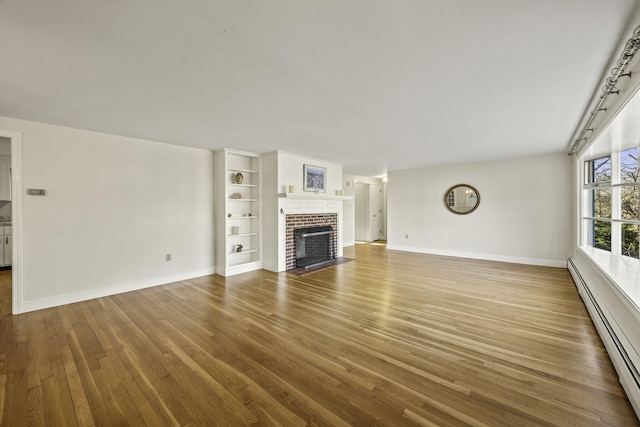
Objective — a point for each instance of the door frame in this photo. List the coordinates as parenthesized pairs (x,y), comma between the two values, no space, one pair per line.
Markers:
(375,192)
(16,218)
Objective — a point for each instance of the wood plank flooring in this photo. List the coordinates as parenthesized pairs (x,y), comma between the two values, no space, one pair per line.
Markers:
(5,292)
(389,339)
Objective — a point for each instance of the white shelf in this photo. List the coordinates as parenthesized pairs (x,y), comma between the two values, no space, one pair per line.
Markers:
(243,200)
(242,217)
(244,251)
(242,234)
(244,185)
(242,170)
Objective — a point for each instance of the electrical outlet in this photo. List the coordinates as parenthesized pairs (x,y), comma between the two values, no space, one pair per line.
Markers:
(406,236)
(167,257)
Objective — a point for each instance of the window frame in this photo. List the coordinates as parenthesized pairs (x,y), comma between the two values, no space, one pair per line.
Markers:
(614,184)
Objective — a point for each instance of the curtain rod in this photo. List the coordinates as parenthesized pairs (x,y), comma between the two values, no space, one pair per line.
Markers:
(630,48)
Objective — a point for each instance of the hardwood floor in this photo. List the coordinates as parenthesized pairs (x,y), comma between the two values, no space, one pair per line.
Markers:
(389,339)
(5,292)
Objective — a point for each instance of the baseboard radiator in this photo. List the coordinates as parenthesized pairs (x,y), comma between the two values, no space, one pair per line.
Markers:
(620,350)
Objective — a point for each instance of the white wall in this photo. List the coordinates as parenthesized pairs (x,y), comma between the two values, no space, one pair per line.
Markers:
(114,207)
(291,172)
(525,212)
(349,209)
(362,211)
(5,146)
(270,213)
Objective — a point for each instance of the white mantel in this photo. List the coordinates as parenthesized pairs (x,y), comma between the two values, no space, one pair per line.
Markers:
(308,196)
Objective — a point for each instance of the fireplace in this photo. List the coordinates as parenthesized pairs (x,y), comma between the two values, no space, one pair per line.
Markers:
(314,246)
(309,220)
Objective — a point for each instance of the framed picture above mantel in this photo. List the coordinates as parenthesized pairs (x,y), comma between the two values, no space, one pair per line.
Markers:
(315,179)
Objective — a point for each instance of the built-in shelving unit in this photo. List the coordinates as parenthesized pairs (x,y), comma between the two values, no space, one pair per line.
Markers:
(237,212)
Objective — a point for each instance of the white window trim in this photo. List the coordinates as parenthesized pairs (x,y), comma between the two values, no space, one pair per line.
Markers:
(622,271)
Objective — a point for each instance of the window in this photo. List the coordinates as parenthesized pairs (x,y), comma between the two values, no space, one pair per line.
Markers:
(609,211)
(451,199)
(630,202)
(612,203)
(598,171)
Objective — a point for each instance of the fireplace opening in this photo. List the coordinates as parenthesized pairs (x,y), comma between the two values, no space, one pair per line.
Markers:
(314,246)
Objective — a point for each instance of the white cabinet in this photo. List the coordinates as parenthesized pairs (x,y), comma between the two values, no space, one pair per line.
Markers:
(7,246)
(5,178)
(237,212)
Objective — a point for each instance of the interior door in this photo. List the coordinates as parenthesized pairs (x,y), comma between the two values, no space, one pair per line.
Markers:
(376,212)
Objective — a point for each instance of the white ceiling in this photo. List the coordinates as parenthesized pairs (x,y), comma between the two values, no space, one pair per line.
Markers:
(374,85)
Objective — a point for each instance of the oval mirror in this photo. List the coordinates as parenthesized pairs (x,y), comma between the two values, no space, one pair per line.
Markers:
(462,199)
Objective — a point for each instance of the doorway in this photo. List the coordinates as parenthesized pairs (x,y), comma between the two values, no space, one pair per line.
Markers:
(11,213)
(370,210)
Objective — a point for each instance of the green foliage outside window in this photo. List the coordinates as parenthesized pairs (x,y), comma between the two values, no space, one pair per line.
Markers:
(630,200)
(601,203)
(599,178)
(602,235)
(630,240)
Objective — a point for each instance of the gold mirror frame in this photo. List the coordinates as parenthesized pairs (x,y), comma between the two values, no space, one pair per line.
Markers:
(458,191)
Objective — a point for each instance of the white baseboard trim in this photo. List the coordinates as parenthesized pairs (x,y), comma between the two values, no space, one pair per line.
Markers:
(270,267)
(241,268)
(104,291)
(615,321)
(486,257)
(347,244)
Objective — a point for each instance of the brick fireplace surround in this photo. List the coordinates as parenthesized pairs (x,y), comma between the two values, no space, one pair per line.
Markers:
(293,221)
